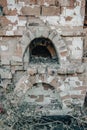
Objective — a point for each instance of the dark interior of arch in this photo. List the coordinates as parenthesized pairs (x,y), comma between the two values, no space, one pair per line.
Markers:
(42,50)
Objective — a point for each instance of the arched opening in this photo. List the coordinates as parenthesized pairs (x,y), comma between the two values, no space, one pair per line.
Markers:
(42,50)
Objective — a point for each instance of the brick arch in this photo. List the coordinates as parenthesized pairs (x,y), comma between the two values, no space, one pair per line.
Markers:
(58,43)
(27,81)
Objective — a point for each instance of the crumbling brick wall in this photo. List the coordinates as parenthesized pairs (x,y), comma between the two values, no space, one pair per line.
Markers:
(61,21)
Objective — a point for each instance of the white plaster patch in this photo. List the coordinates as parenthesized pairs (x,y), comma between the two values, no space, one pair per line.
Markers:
(26,81)
(9,33)
(77,19)
(59,30)
(21,22)
(21,3)
(63,58)
(14,28)
(4,47)
(75,13)
(52,20)
(10,2)
(77,48)
(18,7)
(71,82)
(50,78)
(46,4)
(13,19)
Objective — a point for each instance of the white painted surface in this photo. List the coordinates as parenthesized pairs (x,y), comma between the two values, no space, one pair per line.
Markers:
(77,48)
(4,47)
(10,2)
(13,19)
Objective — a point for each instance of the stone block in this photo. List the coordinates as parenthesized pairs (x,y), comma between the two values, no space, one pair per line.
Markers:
(14,63)
(16,58)
(80,69)
(71,70)
(62,71)
(53,35)
(42,32)
(54,83)
(5,60)
(50,11)
(31,10)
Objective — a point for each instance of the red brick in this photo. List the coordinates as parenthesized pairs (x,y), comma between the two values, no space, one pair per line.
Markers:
(72,3)
(32,1)
(3,3)
(9,12)
(63,53)
(80,88)
(50,11)
(31,10)
(18,50)
(76,96)
(4,21)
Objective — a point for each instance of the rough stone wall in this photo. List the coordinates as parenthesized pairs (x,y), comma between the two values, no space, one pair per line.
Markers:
(61,21)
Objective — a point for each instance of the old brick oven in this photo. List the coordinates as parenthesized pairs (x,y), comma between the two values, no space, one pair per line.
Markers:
(41,53)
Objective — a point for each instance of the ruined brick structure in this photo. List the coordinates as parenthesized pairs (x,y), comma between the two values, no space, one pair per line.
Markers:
(43,48)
